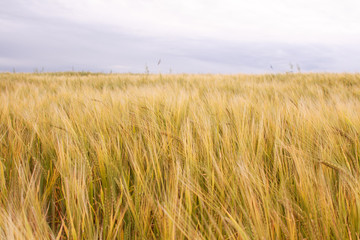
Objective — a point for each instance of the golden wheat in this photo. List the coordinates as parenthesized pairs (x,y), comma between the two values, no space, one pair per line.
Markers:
(96,156)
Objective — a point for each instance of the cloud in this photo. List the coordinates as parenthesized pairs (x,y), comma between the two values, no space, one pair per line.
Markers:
(189,36)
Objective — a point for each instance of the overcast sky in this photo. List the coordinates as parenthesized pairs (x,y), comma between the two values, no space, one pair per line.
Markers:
(194,36)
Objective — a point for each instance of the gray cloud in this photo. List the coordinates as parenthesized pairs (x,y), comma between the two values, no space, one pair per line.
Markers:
(33,41)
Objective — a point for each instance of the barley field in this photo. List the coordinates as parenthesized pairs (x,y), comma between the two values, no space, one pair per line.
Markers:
(150,156)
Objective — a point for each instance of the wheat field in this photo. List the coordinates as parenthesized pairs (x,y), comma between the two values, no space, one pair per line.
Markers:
(150,156)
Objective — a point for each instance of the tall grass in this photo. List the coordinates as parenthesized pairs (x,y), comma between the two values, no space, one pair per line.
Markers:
(92,156)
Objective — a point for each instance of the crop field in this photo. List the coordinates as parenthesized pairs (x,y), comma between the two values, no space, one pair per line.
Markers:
(150,156)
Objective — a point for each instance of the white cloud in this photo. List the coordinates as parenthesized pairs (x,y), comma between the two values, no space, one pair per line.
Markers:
(246,20)
(249,20)
(131,33)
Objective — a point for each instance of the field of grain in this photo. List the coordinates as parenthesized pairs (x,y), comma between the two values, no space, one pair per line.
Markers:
(126,156)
